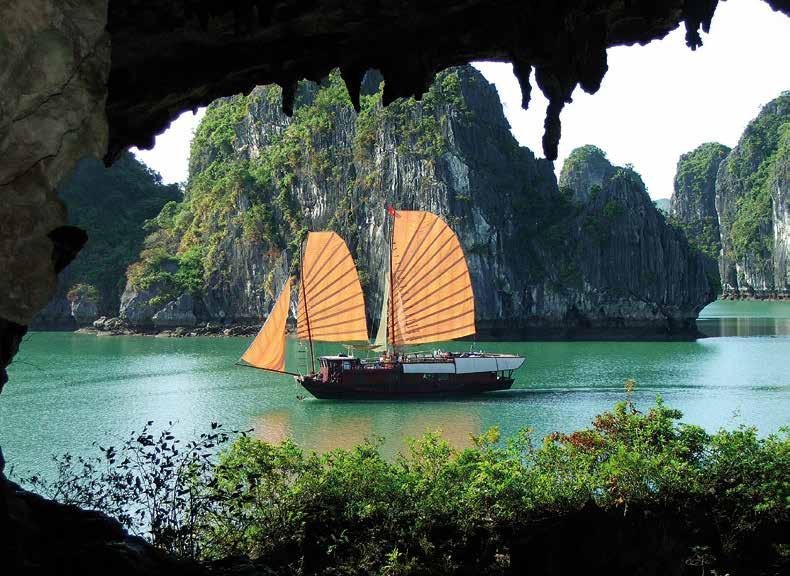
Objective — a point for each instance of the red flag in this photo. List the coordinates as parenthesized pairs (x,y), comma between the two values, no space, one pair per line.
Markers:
(391,211)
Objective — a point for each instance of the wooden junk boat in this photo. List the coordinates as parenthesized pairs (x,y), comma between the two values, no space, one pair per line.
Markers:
(427,298)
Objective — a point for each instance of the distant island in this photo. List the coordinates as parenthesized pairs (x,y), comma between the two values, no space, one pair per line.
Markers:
(734,205)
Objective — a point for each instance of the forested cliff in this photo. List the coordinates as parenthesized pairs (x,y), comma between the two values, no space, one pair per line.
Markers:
(591,254)
(112,206)
(734,205)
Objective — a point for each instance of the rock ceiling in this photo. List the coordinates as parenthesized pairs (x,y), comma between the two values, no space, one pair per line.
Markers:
(171,56)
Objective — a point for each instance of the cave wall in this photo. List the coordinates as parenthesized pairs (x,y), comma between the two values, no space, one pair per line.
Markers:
(170,56)
(53,72)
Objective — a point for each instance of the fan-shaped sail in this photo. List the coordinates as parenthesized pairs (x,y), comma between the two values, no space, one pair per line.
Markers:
(331,305)
(267,351)
(432,291)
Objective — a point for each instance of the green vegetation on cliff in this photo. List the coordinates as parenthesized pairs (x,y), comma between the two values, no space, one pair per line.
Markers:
(259,179)
(694,167)
(763,142)
(83,292)
(233,187)
(584,157)
(111,205)
(694,197)
(631,480)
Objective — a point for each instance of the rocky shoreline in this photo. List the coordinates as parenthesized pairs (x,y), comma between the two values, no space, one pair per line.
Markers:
(616,329)
(119,327)
(769,295)
(487,331)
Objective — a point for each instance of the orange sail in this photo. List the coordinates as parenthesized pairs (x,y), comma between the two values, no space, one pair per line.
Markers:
(267,351)
(432,298)
(331,305)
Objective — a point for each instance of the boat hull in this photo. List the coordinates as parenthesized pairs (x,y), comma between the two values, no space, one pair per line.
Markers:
(399,385)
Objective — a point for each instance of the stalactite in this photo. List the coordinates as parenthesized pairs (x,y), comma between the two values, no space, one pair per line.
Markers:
(352,76)
(212,49)
(289,95)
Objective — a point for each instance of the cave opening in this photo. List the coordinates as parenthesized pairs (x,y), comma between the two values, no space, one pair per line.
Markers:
(86,82)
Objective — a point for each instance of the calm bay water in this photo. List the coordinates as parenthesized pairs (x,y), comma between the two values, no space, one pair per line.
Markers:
(69,390)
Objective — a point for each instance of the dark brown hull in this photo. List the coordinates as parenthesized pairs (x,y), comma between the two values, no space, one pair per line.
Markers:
(391,384)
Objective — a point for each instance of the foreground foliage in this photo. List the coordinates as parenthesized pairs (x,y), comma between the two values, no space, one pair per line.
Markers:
(722,499)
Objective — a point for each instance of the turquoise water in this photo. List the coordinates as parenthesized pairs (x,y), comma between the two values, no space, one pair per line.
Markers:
(70,390)
(723,318)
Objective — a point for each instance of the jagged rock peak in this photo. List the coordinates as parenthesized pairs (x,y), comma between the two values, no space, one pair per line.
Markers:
(584,168)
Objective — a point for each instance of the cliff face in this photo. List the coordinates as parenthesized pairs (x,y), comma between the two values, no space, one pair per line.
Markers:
(633,266)
(594,253)
(780,193)
(733,205)
(693,203)
(751,202)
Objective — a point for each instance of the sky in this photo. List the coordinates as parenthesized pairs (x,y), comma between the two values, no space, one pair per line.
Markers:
(656,102)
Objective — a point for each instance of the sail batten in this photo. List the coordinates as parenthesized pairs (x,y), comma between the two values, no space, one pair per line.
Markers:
(422,256)
(432,290)
(311,272)
(410,309)
(331,305)
(419,253)
(416,319)
(267,351)
(319,300)
(314,284)
(429,277)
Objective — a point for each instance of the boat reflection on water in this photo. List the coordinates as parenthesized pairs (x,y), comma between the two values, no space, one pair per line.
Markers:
(321,427)
(324,435)
(272,427)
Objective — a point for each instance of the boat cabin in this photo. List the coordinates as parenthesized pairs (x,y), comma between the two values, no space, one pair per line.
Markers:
(333,366)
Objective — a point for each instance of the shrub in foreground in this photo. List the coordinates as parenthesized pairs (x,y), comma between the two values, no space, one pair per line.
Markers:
(660,490)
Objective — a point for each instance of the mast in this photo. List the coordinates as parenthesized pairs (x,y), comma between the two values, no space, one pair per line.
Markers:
(381,342)
(392,287)
(304,299)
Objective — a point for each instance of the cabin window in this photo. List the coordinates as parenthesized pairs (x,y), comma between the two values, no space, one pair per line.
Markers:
(346,365)
(436,377)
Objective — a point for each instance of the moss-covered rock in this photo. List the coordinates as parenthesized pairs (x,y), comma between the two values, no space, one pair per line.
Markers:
(751,193)
(693,204)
